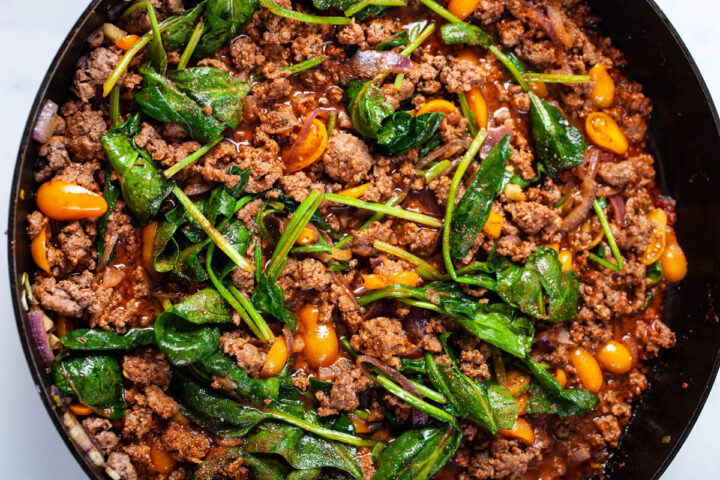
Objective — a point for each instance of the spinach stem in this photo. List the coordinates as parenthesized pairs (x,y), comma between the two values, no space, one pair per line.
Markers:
(230,298)
(302,17)
(440,10)
(297,67)
(393,291)
(472,150)
(297,222)
(425,269)
(465,108)
(510,66)
(412,46)
(190,47)
(435,170)
(421,304)
(321,431)
(394,200)
(555,78)
(608,234)
(259,321)
(414,401)
(132,51)
(332,119)
(366,3)
(115,106)
(420,218)
(193,157)
(210,230)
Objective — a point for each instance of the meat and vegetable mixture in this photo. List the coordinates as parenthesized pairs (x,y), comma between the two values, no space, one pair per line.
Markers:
(349,239)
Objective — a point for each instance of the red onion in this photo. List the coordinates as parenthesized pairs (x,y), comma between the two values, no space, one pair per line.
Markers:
(391,372)
(445,151)
(618,208)
(290,157)
(289,339)
(339,281)
(493,138)
(36,318)
(556,23)
(415,322)
(369,63)
(419,419)
(580,455)
(110,242)
(588,191)
(77,432)
(45,123)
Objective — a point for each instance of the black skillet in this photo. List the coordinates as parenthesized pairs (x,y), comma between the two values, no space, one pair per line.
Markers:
(685,140)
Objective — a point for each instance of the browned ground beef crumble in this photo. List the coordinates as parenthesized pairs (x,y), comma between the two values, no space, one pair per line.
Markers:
(611,303)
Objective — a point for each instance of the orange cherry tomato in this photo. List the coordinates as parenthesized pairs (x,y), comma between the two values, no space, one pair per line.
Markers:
(311,148)
(148,240)
(66,201)
(462,8)
(320,339)
(127,41)
(276,358)
(39,248)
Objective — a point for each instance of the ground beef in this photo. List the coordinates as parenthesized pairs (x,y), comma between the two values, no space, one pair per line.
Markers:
(346,158)
(56,157)
(94,69)
(75,248)
(306,274)
(160,403)
(298,185)
(351,34)
(146,368)
(70,297)
(344,392)
(245,54)
(83,132)
(362,242)
(461,76)
(138,422)
(382,338)
(504,459)
(248,355)
(186,442)
(121,464)
(533,217)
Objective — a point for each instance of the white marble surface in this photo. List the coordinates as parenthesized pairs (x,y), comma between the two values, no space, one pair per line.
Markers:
(30,33)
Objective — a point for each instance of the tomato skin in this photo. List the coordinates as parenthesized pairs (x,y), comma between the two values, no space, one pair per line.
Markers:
(66,201)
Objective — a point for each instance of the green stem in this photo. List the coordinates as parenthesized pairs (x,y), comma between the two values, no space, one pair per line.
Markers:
(131,52)
(608,234)
(210,230)
(425,269)
(393,291)
(395,199)
(157,37)
(302,17)
(321,431)
(517,74)
(412,46)
(297,67)
(316,248)
(414,401)
(193,157)
(231,299)
(603,262)
(132,8)
(472,150)
(115,106)
(435,171)
(366,3)
(190,47)
(332,119)
(420,218)
(398,82)
(440,10)
(293,229)
(421,304)
(465,108)
(555,78)
(254,314)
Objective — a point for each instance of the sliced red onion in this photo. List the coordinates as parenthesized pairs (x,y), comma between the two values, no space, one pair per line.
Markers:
(339,281)
(415,322)
(378,308)
(289,339)
(493,138)
(391,372)
(445,151)
(618,207)
(368,63)
(419,419)
(45,124)
(588,192)
(557,23)
(36,318)
(580,455)
(110,242)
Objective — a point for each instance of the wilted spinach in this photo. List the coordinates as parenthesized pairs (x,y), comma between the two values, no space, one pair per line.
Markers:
(111,193)
(95,380)
(225,18)
(143,187)
(539,287)
(453,33)
(418,454)
(182,342)
(472,211)
(395,40)
(546,395)
(178,34)
(214,88)
(205,306)
(90,339)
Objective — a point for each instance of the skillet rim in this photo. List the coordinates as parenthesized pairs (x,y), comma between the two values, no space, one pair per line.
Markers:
(26,143)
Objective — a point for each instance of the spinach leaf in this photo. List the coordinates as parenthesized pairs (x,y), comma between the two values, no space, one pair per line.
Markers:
(163,101)
(111,193)
(453,33)
(417,454)
(301,450)
(225,18)
(214,88)
(178,35)
(502,404)
(346,4)
(183,342)
(546,395)
(268,297)
(143,187)
(539,287)
(367,107)
(473,209)
(654,272)
(468,398)
(236,381)
(403,131)
(558,143)
(101,340)
(395,40)
(205,306)
(95,380)
(262,467)
(213,411)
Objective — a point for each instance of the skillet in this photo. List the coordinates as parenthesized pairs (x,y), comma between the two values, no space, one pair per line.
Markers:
(684,136)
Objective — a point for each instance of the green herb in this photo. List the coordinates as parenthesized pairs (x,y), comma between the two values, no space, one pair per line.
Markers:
(387,210)
(472,150)
(548,396)
(502,404)
(302,17)
(467,113)
(225,18)
(88,339)
(473,209)
(205,306)
(394,40)
(362,4)
(417,454)
(403,131)
(555,78)
(434,170)
(654,272)
(183,342)
(192,44)
(114,106)
(192,158)
(94,380)
(461,32)
(599,205)
(111,193)
(425,269)
(143,187)
(184,26)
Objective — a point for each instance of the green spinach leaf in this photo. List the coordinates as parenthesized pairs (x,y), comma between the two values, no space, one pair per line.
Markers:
(111,193)
(214,88)
(143,187)
(90,339)
(502,404)
(473,209)
(225,18)
(453,33)
(417,454)
(95,380)
(205,306)
(546,395)
(178,35)
(403,131)
(182,342)
(395,40)
(367,108)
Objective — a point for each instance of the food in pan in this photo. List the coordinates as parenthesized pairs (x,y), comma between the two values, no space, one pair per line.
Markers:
(339,239)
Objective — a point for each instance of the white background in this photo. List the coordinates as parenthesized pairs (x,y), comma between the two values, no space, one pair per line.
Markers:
(30,33)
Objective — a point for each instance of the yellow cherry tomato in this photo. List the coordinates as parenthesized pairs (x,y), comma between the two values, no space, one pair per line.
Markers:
(376,281)
(522,430)
(566,259)
(311,148)
(320,339)
(462,8)
(127,41)
(604,89)
(673,261)
(148,240)
(587,369)
(655,249)
(605,132)
(356,192)
(615,357)
(39,248)
(66,201)
(437,105)
(494,224)
(478,106)
(276,358)
(162,462)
